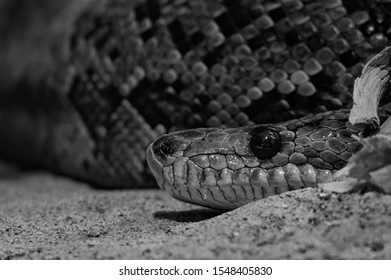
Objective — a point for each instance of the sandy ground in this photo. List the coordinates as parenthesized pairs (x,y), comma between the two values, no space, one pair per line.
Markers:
(43,216)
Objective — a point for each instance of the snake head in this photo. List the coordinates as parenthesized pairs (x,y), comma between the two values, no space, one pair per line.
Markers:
(226,168)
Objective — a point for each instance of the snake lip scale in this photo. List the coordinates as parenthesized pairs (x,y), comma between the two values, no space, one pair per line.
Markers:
(224,169)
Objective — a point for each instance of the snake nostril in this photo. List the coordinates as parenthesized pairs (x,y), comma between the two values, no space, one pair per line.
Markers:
(166,148)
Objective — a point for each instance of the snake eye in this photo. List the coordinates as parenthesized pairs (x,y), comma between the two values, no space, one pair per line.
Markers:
(265,143)
(166,149)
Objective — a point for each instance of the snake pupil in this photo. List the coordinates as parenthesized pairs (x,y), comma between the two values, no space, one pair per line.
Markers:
(265,144)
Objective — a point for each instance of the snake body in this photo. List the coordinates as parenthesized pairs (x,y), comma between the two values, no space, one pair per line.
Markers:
(134,71)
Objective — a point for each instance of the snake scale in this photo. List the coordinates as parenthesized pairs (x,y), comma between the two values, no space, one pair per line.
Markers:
(134,70)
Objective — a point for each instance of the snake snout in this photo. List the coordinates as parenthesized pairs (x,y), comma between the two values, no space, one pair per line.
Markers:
(158,154)
(165,150)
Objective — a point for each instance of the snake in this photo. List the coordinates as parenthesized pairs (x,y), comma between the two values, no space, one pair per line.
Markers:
(218,102)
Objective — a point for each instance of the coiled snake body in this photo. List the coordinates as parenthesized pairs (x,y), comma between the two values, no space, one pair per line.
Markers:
(136,71)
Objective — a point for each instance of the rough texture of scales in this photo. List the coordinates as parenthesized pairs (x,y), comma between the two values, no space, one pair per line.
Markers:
(134,72)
